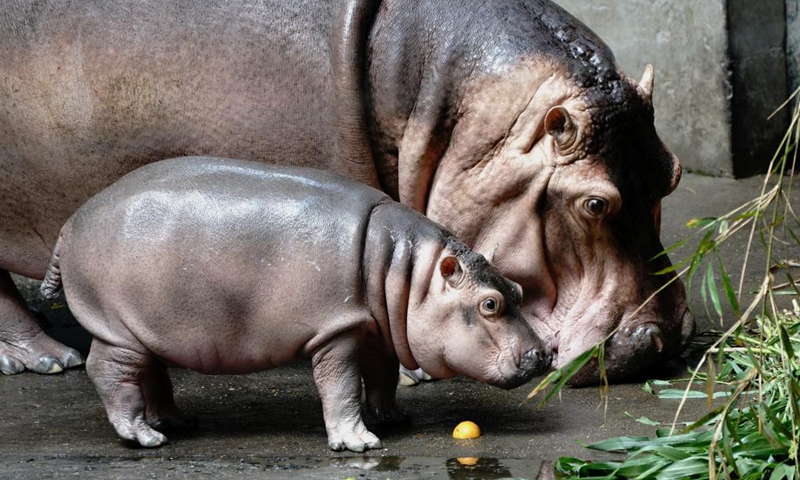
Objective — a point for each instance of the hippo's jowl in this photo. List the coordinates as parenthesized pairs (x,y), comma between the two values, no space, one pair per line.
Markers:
(227,266)
(506,121)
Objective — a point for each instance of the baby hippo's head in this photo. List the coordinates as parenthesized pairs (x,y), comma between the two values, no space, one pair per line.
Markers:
(469,323)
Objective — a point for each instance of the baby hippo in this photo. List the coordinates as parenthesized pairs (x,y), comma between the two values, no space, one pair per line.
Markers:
(231,267)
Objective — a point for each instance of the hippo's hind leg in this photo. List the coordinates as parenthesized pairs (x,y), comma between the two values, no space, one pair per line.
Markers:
(117,374)
(338,379)
(161,412)
(23,344)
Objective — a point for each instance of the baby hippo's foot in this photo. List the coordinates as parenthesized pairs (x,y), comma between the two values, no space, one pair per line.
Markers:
(409,378)
(38,353)
(389,414)
(342,438)
(169,418)
(137,430)
(391,417)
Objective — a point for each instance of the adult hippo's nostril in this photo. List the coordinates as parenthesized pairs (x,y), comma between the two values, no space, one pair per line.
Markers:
(688,327)
(648,335)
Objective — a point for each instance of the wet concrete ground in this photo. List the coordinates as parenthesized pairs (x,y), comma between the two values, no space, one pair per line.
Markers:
(269,425)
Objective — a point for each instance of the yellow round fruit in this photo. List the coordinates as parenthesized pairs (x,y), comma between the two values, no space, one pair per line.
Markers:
(466,429)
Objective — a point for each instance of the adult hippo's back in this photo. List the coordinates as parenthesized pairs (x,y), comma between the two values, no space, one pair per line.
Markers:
(507,121)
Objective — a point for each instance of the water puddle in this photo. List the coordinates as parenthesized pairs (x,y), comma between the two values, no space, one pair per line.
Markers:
(462,468)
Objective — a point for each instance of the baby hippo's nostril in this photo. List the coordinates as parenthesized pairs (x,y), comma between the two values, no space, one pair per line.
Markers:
(534,360)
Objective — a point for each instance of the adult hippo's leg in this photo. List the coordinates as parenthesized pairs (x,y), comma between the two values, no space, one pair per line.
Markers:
(23,344)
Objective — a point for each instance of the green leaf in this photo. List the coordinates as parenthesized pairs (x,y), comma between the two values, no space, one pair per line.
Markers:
(684,469)
(559,377)
(782,471)
(676,394)
(712,289)
(794,237)
(785,342)
(647,421)
(728,287)
(619,444)
(701,222)
(671,248)
(637,467)
(661,383)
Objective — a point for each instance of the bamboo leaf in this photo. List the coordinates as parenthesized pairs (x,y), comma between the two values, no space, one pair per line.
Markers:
(647,421)
(701,222)
(728,287)
(712,290)
(559,378)
(619,444)
(672,248)
(782,471)
(785,342)
(684,469)
(676,394)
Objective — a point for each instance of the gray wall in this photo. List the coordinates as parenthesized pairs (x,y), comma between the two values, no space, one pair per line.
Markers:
(793,43)
(720,71)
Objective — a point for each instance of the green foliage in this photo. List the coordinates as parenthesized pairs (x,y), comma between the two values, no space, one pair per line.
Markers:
(752,368)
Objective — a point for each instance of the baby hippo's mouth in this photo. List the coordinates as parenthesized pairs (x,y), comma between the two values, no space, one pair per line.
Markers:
(533,363)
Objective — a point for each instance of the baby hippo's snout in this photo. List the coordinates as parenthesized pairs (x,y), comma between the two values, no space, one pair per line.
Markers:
(534,362)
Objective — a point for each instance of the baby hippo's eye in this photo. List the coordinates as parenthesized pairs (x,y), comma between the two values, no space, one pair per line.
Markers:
(489,306)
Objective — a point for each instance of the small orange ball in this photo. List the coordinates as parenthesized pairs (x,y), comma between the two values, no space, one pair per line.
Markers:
(466,429)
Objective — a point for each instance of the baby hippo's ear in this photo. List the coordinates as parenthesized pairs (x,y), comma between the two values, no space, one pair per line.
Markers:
(451,270)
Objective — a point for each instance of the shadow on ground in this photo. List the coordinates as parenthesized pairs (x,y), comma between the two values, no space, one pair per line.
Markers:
(269,425)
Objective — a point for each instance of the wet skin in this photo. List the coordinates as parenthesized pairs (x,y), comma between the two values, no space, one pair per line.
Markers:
(508,122)
(226,266)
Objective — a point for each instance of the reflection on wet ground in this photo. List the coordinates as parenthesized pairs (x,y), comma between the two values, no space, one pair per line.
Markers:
(345,468)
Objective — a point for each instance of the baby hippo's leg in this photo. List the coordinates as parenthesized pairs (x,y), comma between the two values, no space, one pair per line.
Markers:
(338,380)
(380,372)
(117,374)
(161,411)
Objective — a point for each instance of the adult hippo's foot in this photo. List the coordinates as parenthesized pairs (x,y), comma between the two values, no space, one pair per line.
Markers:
(409,378)
(23,344)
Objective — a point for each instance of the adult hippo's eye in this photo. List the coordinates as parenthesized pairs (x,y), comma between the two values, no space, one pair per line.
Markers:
(489,307)
(596,207)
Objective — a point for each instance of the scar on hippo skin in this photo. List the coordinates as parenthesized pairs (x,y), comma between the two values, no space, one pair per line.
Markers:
(197,262)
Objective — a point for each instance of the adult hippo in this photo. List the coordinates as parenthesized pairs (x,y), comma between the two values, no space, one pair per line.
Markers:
(508,122)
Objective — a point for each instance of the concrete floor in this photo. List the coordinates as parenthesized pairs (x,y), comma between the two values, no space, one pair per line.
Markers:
(269,425)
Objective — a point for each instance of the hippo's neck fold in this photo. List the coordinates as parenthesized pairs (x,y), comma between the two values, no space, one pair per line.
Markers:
(400,254)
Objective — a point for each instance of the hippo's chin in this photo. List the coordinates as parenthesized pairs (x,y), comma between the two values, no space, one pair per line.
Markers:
(514,382)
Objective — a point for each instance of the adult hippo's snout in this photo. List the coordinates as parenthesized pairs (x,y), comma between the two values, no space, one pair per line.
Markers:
(634,349)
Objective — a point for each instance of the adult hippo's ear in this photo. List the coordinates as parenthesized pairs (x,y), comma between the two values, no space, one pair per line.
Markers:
(559,125)
(645,87)
(451,270)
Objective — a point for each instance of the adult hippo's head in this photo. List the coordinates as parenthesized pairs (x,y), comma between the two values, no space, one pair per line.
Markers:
(510,123)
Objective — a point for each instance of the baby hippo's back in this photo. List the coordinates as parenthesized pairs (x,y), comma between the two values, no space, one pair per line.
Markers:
(219,265)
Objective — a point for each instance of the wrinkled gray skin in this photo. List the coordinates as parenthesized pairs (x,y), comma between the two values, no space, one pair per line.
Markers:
(508,122)
(227,266)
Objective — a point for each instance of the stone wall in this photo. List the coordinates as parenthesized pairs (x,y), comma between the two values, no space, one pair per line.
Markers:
(720,71)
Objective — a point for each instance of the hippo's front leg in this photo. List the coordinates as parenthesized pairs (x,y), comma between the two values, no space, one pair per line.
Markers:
(338,380)
(380,372)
